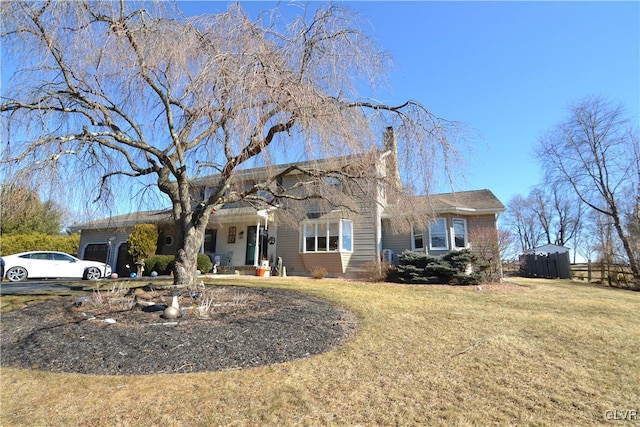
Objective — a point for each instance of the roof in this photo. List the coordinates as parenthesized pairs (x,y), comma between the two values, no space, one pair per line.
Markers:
(165,217)
(547,249)
(264,171)
(126,220)
(470,202)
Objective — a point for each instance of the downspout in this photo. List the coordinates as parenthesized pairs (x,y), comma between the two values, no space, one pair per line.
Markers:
(499,254)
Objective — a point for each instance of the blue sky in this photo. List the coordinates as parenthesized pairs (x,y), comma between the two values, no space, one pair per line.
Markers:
(507,69)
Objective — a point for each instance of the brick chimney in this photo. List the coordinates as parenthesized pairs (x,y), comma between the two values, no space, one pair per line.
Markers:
(391,162)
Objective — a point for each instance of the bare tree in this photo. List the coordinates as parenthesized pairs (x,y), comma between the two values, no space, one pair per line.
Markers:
(592,152)
(633,228)
(137,95)
(558,212)
(490,245)
(633,217)
(568,216)
(506,245)
(521,218)
(541,206)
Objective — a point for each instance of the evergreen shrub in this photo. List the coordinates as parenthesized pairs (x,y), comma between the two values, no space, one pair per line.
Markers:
(163,264)
(454,268)
(16,243)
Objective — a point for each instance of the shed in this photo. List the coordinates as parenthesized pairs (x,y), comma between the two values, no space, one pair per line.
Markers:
(548,261)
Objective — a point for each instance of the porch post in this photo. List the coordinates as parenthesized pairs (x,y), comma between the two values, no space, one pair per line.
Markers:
(256,261)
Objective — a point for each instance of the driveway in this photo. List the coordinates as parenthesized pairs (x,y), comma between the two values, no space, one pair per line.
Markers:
(38,287)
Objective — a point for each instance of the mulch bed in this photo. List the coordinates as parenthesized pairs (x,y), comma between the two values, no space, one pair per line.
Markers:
(124,333)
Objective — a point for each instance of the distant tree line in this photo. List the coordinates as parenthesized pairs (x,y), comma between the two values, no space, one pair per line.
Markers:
(590,198)
(27,223)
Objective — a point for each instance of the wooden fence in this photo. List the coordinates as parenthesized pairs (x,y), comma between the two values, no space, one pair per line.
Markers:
(598,272)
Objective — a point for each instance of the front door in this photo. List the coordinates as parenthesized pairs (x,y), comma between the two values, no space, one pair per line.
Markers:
(123,259)
(210,237)
(250,258)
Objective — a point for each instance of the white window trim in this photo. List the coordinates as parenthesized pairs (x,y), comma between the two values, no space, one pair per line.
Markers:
(414,228)
(446,236)
(453,234)
(314,223)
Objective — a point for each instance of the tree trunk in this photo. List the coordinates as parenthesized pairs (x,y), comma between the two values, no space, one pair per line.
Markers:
(628,250)
(186,262)
(190,229)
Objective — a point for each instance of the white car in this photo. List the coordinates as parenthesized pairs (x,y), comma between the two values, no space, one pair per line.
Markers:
(41,264)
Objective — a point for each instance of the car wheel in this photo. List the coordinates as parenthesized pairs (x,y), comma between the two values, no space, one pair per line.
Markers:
(17,274)
(92,273)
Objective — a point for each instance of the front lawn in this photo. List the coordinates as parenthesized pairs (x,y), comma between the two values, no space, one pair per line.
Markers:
(545,353)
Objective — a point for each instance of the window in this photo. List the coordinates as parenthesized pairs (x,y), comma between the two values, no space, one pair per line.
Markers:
(231,237)
(62,257)
(459,233)
(41,256)
(438,234)
(327,236)
(334,235)
(96,252)
(347,242)
(417,238)
(309,237)
(321,235)
(332,181)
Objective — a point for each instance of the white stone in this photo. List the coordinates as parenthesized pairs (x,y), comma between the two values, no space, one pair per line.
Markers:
(171,313)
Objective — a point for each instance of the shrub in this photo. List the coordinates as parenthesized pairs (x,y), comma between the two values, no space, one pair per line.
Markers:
(460,260)
(451,268)
(318,272)
(163,264)
(417,259)
(142,242)
(204,263)
(16,243)
(371,273)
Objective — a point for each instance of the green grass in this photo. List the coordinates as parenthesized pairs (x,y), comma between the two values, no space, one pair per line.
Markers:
(548,353)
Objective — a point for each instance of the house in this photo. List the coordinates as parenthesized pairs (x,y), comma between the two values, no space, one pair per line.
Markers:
(446,222)
(240,236)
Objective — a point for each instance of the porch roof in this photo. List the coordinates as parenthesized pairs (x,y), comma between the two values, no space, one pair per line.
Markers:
(125,221)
